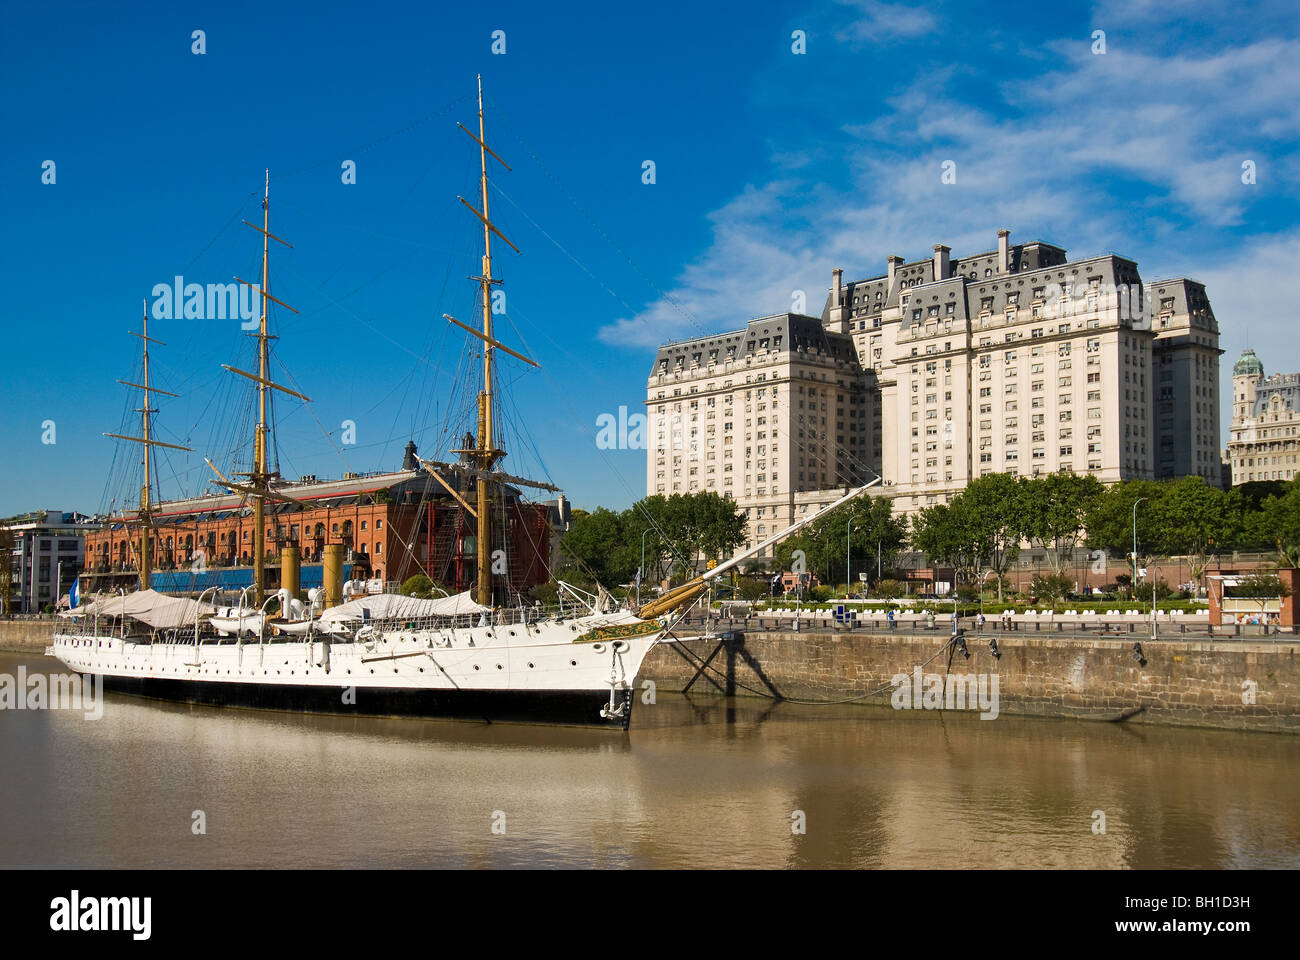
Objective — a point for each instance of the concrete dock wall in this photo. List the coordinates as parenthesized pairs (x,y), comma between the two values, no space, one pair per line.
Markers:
(1251,685)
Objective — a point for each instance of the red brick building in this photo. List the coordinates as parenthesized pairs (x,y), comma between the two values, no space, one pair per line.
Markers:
(395,525)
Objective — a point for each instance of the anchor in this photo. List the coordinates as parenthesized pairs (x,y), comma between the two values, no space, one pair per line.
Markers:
(615,711)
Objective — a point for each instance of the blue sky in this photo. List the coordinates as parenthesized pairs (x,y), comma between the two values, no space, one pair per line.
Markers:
(771,168)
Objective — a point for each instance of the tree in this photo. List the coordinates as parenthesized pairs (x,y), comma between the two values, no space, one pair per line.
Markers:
(1109,519)
(6,552)
(678,531)
(1248,502)
(595,546)
(1050,586)
(1054,508)
(983,525)
(417,586)
(1279,514)
(686,528)
(945,535)
(995,501)
(823,546)
(888,589)
(1189,517)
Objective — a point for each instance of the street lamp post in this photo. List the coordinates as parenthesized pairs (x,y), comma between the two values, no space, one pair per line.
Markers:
(1135,542)
(983,580)
(1135,567)
(848,559)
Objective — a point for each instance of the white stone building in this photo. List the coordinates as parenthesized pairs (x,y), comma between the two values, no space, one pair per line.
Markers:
(938,371)
(1264,439)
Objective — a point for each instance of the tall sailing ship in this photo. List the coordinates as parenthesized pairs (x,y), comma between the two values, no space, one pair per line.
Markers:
(473,655)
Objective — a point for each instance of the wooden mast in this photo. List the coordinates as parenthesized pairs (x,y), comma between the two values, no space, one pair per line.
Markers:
(259,479)
(486,454)
(146,507)
(145,515)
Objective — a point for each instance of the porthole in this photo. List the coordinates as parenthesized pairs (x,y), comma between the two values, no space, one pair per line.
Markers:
(499,667)
(573,663)
(530,666)
(620,646)
(597,648)
(476,666)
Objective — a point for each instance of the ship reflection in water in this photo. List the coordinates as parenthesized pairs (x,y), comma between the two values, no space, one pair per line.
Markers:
(697,783)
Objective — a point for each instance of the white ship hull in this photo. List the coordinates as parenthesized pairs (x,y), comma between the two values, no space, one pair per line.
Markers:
(549,672)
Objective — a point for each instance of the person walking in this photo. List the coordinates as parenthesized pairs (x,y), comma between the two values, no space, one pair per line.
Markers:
(979,622)
(889,615)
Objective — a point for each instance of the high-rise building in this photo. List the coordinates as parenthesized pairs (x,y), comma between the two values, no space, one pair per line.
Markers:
(775,416)
(1014,360)
(1264,439)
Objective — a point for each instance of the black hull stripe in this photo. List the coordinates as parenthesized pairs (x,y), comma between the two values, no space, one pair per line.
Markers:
(564,707)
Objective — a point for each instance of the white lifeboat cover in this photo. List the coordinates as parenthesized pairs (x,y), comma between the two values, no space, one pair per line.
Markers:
(158,610)
(394,606)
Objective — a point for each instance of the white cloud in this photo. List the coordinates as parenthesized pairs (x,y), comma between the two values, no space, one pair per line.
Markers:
(883,21)
(1179,124)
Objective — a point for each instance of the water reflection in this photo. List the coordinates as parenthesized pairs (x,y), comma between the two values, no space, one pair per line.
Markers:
(699,782)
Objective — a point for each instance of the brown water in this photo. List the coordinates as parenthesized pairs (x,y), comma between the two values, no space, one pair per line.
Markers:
(697,783)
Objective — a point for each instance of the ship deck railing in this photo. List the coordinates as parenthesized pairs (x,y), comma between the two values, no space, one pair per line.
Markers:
(135,631)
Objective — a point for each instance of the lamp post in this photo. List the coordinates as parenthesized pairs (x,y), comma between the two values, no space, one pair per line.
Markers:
(1135,542)
(983,580)
(848,558)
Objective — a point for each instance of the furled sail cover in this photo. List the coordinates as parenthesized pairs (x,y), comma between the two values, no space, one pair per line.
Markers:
(392,606)
(156,609)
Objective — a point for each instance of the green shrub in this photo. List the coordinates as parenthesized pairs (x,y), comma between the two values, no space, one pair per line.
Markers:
(417,586)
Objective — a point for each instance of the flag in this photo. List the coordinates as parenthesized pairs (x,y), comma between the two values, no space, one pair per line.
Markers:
(74,594)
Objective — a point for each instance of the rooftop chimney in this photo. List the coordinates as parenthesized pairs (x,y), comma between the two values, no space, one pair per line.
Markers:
(1004,251)
(836,320)
(941,268)
(409,461)
(894,262)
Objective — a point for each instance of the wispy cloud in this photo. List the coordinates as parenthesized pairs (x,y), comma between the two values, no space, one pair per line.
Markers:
(1122,150)
(878,21)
